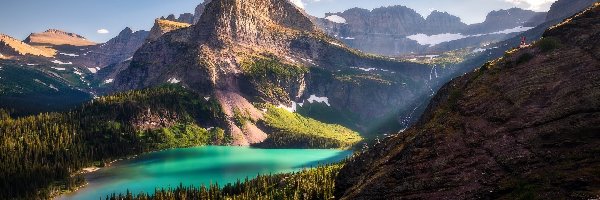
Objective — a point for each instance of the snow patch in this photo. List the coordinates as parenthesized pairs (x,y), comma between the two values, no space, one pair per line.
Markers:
(93,70)
(314,98)
(107,81)
(59,68)
(207,98)
(367,69)
(479,50)
(513,30)
(433,40)
(69,54)
(61,62)
(78,72)
(29,64)
(336,19)
(50,86)
(349,38)
(174,81)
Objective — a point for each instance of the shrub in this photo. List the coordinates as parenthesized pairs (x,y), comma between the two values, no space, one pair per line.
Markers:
(548,44)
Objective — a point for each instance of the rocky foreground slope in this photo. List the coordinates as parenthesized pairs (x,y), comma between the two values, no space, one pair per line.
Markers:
(525,126)
(269,51)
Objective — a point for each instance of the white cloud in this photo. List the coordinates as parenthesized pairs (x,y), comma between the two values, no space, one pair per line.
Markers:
(298,3)
(102,31)
(537,5)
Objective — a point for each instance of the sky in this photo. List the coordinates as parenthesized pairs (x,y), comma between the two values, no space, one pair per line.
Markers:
(100,20)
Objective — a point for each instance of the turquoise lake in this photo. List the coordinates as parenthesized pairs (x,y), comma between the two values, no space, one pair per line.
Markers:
(199,165)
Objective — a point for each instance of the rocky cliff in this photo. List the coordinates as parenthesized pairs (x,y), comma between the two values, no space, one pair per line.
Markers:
(388,30)
(162,26)
(521,127)
(267,51)
(565,8)
(10,47)
(116,50)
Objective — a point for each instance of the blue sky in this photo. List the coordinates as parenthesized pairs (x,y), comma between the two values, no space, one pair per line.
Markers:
(18,18)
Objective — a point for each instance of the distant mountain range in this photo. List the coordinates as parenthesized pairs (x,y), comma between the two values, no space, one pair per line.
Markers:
(398,30)
(94,67)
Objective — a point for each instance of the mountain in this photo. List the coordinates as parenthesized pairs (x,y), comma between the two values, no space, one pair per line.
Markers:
(505,19)
(10,47)
(245,53)
(187,18)
(442,22)
(521,127)
(398,30)
(162,26)
(54,37)
(563,9)
(116,50)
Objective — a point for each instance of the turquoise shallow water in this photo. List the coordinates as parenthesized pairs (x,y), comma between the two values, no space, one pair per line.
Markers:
(199,165)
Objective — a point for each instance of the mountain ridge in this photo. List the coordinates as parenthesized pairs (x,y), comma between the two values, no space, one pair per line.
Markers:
(523,126)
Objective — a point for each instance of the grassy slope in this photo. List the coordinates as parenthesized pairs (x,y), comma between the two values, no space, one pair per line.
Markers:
(291,130)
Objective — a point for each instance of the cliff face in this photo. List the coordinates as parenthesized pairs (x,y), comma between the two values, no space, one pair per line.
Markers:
(116,50)
(10,47)
(268,51)
(386,30)
(524,126)
(162,26)
(505,19)
(565,8)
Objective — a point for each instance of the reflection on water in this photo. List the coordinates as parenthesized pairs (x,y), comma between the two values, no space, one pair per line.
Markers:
(200,165)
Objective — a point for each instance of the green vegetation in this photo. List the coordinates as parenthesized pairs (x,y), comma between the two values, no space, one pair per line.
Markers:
(41,153)
(291,130)
(548,44)
(316,183)
(268,76)
(24,90)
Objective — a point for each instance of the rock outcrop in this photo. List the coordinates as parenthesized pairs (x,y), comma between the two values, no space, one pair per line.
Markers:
(200,10)
(54,37)
(162,26)
(10,47)
(522,127)
(243,52)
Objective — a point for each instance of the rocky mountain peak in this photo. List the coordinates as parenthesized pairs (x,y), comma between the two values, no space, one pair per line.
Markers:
(10,46)
(162,26)
(126,31)
(56,31)
(55,37)
(250,19)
